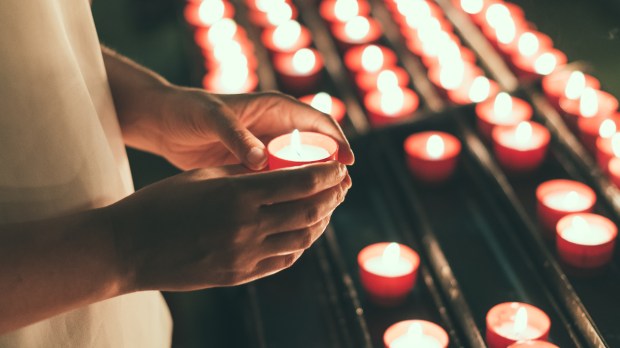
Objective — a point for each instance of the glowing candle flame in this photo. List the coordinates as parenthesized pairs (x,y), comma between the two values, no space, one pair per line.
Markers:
(222,31)
(506,31)
(386,80)
(224,50)
(496,14)
(418,21)
(372,58)
(571,200)
(435,146)
(322,102)
(615,144)
(502,106)
(286,35)
(545,63)
(344,10)
(607,129)
(452,76)
(392,100)
(304,61)
(234,61)
(523,134)
(357,28)
(296,142)
(528,44)
(407,8)
(579,224)
(391,254)
(588,103)
(576,85)
(210,12)
(279,13)
(520,321)
(480,89)
(472,6)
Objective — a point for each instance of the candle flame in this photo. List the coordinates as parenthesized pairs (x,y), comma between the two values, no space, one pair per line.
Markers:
(506,31)
(523,133)
(357,28)
(296,142)
(528,44)
(580,224)
(304,61)
(224,50)
(415,331)
(576,85)
(571,200)
(520,323)
(452,76)
(480,89)
(210,12)
(496,14)
(419,22)
(448,52)
(279,13)
(502,106)
(545,63)
(222,31)
(607,128)
(435,146)
(265,5)
(391,254)
(588,103)
(344,10)
(406,8)
(472,6)
(392,100)
(433,40)
(286,34)
(322,102)
(372,58)
(386,80)
(615,144)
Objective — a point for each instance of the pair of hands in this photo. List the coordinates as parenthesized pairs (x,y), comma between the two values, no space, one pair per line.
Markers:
(223,224)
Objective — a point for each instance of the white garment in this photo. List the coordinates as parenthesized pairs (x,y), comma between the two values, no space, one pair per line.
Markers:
(61,151)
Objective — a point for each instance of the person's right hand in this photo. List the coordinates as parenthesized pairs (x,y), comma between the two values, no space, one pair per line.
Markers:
(208,228)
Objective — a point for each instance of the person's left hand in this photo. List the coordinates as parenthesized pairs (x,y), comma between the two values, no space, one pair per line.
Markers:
(198,129)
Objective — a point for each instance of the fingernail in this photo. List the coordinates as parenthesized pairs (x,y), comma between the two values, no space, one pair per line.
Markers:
(256,156)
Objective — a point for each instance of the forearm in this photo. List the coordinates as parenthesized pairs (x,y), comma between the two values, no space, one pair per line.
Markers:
(53,266)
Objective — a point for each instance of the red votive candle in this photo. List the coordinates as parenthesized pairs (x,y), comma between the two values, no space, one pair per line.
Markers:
(496,11)
(369,58)
(585,240)
(299,72)
(432,156)
(230,81)
(464,53)
(276,13)
(560,197)
(343,10)
(223,30)
(368,81)
(510,322)
(521,148)
(427,47)
(358,30)
(526,44)
(591,103)
(261,5)
(533,344)
(388,272)
(415,333)
(476,91)
(569,84)
(390,105)
(326,104)
(298,148)
(503,110)
(453,76)
(506,33)
(205,14)
(591,128)
(287,37)
(542,63)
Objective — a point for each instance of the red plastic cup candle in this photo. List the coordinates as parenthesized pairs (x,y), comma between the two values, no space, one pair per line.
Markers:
(543,63)
(521,148)
(415,334)
(607,149)
(591,103)
(326,104)
(560,197)
(567,84)
(432,156)
(503,110)
(368,81)
(299,72)
(592,128)
(298,148)
(478,90)
(510,322)
(390,103)
(287,37)
(343,10)
(453,76)
(356,31)
(533,344)
(369,58)
(273,14)
(207,13)
(586,240)
(388,272)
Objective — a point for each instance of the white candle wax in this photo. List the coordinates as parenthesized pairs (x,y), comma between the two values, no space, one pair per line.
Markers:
(414,341)
(580,232)
(298,152)
(566,201)
(395,268)
(508,330)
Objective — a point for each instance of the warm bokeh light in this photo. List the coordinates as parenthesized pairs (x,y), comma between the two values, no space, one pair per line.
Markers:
(506,31)
(390,256)
(357,28)
(211,11)
(372,58)
(615,144)
(406,8)
(279,12)
(225,50)
(322,102)
(588,103)
(607,129)
(392,100)
(435,146)
(523,133)
(472,6)
(344,10)
(304,61)
(528,44)
(386,80)
(232,79)
(451,76)
(497,14)
(520,321)
(502,106)
(418,20)
(286,35)
(222,31)
(265,5)
(545,64)
(480,89)
(576,85)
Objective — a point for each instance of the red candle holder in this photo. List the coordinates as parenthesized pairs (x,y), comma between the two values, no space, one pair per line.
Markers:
(510,50)
(585,240)
(332,106)
(388,281)
(262,20)
(327,10)
(533,344)
(488,116)
(296,80)
(501,319)
(521,148)
(218,82)
(269,39)
(572,108)
(560,197)
(367,81)
(529,68)
(377,101)
(429,332)
(345,41)
(614,171)
(432,160)
(277,161)
(477,90)
(591,128)
(353,58)
(199,16)
(554,85)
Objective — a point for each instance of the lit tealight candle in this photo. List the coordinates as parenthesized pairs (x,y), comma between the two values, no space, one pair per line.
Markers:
(521,148)
(508,323)
(299,148)
(590,129)
(568,84)
(299,72)
(272,13)
(558,198)
(368,81)
(388,272)
(472,6)
(591,103)
(415,337)
(503,110)
(542,63)
(585,240)
(343,10)
(326,104)
(494,15)
(415,333)
(357,30)
(369,59)
(390,103)
(207,13)
(527,44)
(287,37)
(478,90)
(432,156)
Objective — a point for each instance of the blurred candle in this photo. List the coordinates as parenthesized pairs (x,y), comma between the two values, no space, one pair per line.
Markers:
(369,58)
(390,103)
(357,30)
(367,81)
(326,104)
(567,83)
(432,156)
(298,148)
(503,110)
(208,12)
(343,10)
(299,72)
(511,322)
(287,37)
(542,63)
(521,148)
(591,103)
(606,149)
(558,198)
(415,333)
(590,129)
(533,344)
(477,90)
(585,240)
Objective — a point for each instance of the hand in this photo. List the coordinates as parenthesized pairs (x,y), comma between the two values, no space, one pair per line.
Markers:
(197,129)
(222,226)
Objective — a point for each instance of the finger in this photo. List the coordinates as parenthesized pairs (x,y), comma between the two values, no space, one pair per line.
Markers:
(275,264)
(288,242)
(301,213)
(293,183)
